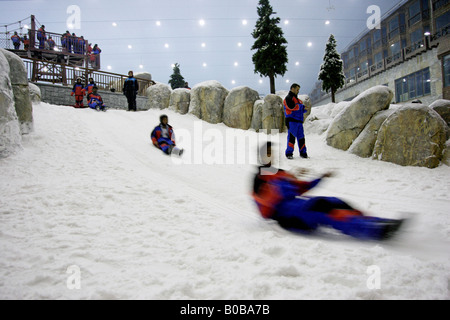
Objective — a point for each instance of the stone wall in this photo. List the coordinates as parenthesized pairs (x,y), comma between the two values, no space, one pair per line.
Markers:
(60,95)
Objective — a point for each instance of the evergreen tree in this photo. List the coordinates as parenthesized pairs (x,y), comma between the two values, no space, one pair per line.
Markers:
(271,57)
(176,79)
(331,70)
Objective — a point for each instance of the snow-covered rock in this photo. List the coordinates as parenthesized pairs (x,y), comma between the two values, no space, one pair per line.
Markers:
(364,143)
(10,137)
(179,100)
(273,113)
(19,83)
(349,123)
(158,96)
(414,135)
(238,107)
(257,115)
(207,101)
(35,93)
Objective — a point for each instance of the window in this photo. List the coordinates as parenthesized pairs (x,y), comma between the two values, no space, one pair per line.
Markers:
(447,70)
(413,86)
(414,13)
(416,36)
(393,27)
(395,48)
(443,21)
(378,57)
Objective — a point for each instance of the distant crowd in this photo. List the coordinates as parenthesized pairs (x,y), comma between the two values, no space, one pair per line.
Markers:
(70,43)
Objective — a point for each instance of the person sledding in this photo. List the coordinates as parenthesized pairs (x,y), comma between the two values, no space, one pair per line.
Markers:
(96,101)
(163,137)
(78,91)
(279,196)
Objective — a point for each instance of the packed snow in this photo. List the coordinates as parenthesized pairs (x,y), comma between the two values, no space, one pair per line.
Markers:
(89,209)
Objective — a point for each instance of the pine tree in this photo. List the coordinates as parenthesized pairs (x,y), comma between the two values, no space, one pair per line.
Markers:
(176,79)
(331,70)
(271,57)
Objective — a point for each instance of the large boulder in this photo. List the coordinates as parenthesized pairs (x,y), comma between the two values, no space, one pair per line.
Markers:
(207,101)
(19,83)
(272,113)
(365,142)
(257,115)
(180,100)
(238,107)
(414,135)
(158,96)
(35,93)
(442,107)
(10,136)
(349,123)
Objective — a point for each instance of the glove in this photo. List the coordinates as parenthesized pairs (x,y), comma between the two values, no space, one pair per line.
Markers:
(71,94)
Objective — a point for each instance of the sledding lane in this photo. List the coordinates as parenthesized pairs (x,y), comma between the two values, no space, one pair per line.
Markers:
(90,190)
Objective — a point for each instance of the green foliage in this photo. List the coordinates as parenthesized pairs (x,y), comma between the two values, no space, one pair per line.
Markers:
(331,70)
(271,57)
(176,79)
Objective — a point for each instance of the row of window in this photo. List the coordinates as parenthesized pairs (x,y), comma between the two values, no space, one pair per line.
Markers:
(412,86)
(416,11)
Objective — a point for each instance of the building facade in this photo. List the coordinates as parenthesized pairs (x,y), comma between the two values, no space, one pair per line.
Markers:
(409,53)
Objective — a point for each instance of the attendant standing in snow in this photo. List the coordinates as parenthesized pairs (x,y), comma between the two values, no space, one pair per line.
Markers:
(279,196)
(130,90)
(163,137)
(294,110)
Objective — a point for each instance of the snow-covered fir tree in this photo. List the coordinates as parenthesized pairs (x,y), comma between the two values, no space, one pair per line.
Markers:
(331,70)
(176,79)
(271,57)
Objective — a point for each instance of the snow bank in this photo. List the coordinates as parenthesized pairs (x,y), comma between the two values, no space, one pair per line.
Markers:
(89,193)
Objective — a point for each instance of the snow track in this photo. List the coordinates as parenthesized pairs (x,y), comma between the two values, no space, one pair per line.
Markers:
(89,190)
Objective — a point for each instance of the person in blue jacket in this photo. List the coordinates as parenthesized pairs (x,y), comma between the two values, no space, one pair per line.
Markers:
(163,137)
(294,111)
(130,90)
(279,195)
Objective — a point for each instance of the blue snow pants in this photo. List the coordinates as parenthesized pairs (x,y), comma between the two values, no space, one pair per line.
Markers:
(295,131)
(166,145)
(307,214)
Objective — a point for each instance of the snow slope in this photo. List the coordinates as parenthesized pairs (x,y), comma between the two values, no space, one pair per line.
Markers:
(90,192)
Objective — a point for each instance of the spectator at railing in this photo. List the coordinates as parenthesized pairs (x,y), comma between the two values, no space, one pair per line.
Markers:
(66,42)
(96,56)
(16,40)
(74,42)
(41,37)
(81,45)
(26,43)
(50,44)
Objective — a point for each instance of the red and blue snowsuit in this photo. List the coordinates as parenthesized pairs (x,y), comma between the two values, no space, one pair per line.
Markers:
(294,111)
(16,41)
(88,89)
(163,138)
(78,91)
(41,36)
(96,102)
(277,194)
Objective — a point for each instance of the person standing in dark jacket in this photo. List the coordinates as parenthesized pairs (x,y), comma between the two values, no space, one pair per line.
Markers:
(130,90)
